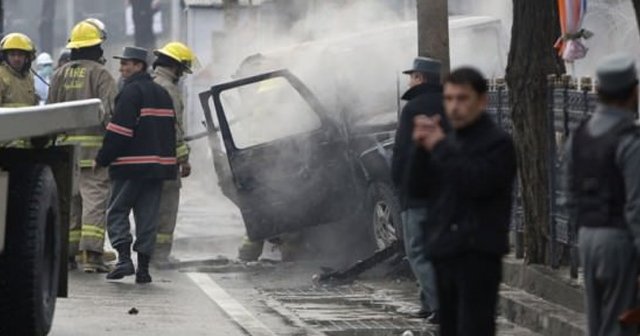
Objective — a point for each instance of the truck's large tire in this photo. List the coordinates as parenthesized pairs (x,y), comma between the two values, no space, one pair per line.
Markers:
(30,264)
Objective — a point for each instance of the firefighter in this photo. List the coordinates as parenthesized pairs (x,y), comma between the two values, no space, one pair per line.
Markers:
(17,86)
(171,63)
(86,77)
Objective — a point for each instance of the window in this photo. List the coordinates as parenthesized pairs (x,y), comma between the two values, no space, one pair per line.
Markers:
(265,111)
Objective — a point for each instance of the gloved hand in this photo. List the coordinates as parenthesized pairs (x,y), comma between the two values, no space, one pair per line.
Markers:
(185,169)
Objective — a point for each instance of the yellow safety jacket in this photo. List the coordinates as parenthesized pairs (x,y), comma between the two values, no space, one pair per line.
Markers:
(84,79)
(168,80)
(16,90)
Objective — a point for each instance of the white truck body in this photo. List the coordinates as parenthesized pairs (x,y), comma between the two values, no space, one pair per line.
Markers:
(34,121)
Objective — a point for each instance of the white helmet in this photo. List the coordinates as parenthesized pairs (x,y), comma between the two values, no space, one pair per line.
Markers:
(98,24)
(44,59)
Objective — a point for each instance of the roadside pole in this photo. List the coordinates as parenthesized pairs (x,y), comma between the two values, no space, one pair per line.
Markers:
(433,31)
(1,17)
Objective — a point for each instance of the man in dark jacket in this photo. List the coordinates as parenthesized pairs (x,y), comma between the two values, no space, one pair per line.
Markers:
(424,97)
(140,150)
(469,222)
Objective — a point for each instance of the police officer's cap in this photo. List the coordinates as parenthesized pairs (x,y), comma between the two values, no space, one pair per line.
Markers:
(617,72)
(134,53)
(425,65)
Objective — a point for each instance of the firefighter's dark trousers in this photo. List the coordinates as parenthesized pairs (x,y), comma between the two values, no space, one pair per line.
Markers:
(610,266)
(143,198)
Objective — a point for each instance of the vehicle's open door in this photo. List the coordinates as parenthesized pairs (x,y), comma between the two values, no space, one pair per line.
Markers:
(288,158)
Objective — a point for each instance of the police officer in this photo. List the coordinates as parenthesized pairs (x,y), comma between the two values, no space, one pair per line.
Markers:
(86,77)
(411,178)
(140,151)
(604,185)
(16,81)
(172,61)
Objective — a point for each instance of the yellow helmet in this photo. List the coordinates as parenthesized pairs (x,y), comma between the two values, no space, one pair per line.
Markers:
(17,41)
(85,34)
(180,53)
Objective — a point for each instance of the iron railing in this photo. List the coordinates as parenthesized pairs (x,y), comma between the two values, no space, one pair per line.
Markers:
(569,103)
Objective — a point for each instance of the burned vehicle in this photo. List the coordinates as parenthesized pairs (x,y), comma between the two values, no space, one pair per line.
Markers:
(291,162)
(288,163)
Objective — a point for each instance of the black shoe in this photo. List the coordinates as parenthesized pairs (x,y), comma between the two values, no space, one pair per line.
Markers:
(420,314)
(124,267)
(434,318)
(142,274)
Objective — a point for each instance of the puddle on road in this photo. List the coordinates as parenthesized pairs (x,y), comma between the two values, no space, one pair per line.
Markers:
(350,311)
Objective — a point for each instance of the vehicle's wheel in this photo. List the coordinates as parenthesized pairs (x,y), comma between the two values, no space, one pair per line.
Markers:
(384,217)
(30,264)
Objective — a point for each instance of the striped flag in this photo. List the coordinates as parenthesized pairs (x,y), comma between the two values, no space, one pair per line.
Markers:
(569,45)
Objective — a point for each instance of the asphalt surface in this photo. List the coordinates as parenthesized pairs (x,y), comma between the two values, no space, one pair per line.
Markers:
(212,294)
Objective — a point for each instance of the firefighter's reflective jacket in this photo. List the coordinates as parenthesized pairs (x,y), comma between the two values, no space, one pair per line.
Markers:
(16,89)
(169,81)
(84,79)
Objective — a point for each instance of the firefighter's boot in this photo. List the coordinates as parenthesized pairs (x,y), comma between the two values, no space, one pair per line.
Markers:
(142,273)
(250,250)
(109,256)
(124,267)
(92,262)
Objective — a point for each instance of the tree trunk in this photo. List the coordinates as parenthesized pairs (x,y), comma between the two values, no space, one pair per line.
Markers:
(1,17)
(143,24)
(433,31)
(636,6)
(531,58)
(45,29)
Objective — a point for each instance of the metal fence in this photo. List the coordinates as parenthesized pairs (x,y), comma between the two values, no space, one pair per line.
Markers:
(569,102)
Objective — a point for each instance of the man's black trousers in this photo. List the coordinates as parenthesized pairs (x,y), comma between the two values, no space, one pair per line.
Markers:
(468,293)
(142,197)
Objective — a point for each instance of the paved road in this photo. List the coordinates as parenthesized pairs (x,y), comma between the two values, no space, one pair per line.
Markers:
(224,297)
(172,305)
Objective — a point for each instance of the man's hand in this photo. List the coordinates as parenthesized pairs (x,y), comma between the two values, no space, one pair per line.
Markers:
(94,165)
(427,131)
(185,169)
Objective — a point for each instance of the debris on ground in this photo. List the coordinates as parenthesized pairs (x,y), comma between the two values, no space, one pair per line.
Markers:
(133,311)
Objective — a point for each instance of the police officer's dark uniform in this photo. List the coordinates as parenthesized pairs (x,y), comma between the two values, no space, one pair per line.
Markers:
(604,186)
(140,151)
